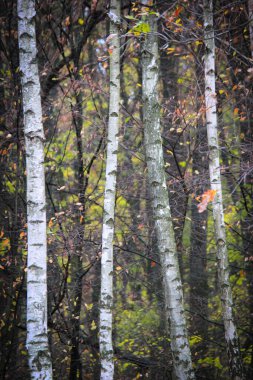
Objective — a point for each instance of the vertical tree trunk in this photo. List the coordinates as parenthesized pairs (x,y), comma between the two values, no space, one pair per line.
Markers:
(198,276)
(250,10)
(236,40)
(105,332)
(161,210)
(75,370)
(232,342)
(37,335)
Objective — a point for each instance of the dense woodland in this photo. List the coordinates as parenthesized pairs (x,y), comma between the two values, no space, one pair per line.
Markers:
(143,181)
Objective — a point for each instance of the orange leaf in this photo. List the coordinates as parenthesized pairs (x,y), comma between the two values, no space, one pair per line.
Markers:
(6,243)
(178,11)
(67,21)
(22,234)
(206,197)
(50,223)
(242,273)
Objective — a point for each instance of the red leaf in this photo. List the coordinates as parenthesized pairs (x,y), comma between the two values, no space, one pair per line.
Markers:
(178,11)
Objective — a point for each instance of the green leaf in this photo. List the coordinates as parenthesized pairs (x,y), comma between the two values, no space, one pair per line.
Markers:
(93,325)
(217,363)
(141,27)
(129,17)
(195,339)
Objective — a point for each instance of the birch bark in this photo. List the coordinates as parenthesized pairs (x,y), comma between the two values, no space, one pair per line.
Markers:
(37,335)
(161,211)
(231,337)
(106,296)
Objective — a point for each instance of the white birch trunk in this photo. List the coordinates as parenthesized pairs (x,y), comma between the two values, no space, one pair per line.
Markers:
(105,332)
(37,336)
(161,211)
(231,337)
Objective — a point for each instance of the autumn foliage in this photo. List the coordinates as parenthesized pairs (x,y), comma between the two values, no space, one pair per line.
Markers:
(205,199)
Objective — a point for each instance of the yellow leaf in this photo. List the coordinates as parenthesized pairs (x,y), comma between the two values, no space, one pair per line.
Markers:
(89,306)
(50,223)
(93,326)
(80,21)
(171,50)
(236,110)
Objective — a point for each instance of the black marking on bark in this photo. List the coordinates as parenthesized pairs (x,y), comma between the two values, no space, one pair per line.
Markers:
(114,114)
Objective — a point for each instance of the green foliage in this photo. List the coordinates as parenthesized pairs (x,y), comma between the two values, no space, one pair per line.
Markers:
(139,28)
(215,362)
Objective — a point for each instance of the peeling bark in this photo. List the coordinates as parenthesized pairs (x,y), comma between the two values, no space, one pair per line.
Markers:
(106,297)
(37,336)
(232,342)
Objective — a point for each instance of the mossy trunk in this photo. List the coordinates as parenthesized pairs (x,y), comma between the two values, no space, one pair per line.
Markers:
(232,342)
(160,204)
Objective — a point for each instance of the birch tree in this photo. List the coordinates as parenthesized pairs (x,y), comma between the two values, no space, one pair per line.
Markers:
(37,335)
(231,337)
(105,333)
(161,210)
